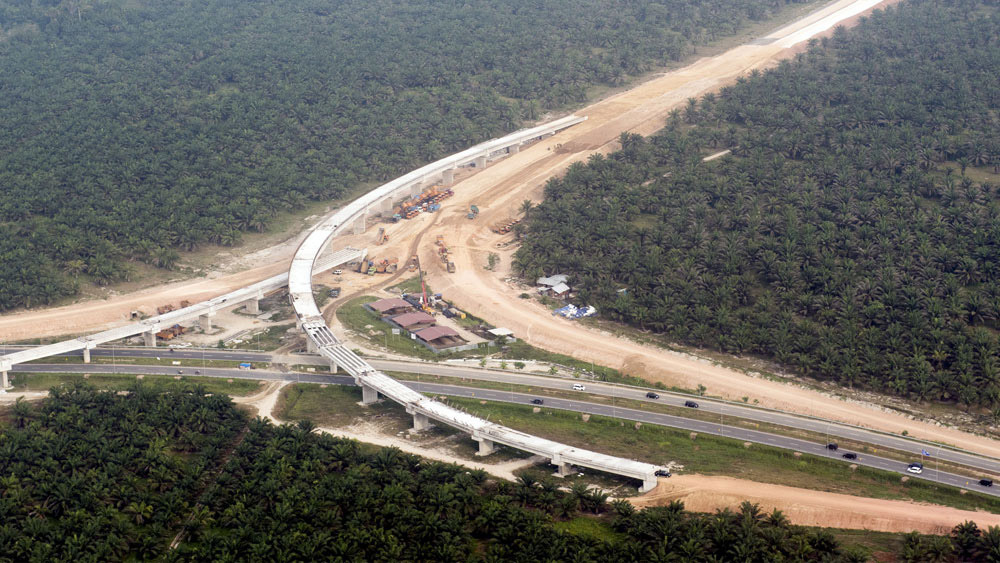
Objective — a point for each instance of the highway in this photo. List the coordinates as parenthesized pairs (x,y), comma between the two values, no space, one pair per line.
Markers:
(722,408)
(702,427)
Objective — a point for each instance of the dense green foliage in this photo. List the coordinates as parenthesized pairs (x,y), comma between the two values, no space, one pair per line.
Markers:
(132,128)
(90,475)
(291,495)
(836,238)
(93,475)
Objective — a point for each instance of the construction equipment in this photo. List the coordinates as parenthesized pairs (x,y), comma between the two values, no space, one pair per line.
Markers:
(451,267)
(505,226)
(414,263)
(171,333)
(381,237)
(164,309)
(473,212)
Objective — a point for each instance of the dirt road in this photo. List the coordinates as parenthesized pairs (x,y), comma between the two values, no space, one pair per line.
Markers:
(811,508)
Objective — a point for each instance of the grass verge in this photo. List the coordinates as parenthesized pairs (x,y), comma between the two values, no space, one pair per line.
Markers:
(121,382)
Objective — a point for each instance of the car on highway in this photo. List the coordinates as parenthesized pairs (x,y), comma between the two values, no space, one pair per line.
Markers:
(832,446)
(197,372)
(579,387)
(652,395)
(537,402)
(662,473)
(986,482)
(180,372)
(915,467)
(849,455)
(691,404)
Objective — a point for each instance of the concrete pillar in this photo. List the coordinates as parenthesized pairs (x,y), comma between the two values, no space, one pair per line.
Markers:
(481,161)
(5,383)
(386,205)
(448,177)
(563,469)
(416,188)
(149,338)
(420,422)
(360,224)
(333,367)
(369,395)
(310,345)
(205,321)
(514,149)
(486,447)
(253,306)
(86,355)
(648,484)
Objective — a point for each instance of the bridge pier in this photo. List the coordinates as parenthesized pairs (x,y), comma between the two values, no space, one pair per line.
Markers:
(360,224)
(86,355)
(448,176)
(5,383)
(481,161)
(486,447)
(253,306)
(420,422)
(333,367)
(648,484)
(310,345)
(205,321)
(149,339)
(416,188)
(369,396)
(386,205)
(563,469)
(514,149)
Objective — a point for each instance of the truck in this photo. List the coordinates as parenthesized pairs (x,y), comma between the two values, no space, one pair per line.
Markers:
(451,267)
(473,212)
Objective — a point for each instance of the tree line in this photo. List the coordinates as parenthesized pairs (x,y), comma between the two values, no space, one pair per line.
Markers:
(130,131)
(854,232)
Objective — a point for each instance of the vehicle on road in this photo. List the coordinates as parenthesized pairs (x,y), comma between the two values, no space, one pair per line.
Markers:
(986,482)
(691,404)
(662,473)
(849,455)
(197,372)
(537,402)
(915,467)
(579,387)
(652,395)
(180,371)
(832,446)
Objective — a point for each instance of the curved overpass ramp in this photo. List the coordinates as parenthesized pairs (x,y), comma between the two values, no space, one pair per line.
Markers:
(373,382)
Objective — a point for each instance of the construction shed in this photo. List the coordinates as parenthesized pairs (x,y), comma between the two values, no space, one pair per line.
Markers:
(441,339)
(413,321)
(390,307)
(559,290)
(553,280)
(502,333)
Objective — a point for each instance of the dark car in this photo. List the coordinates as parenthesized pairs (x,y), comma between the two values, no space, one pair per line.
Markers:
(849,455)
(197,372)
(180,371)
(537,402)
(691,404)
(832,446)
(986,482)
(652,395)
(662,473)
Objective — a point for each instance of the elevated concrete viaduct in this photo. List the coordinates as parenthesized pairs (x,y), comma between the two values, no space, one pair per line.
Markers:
(373,382)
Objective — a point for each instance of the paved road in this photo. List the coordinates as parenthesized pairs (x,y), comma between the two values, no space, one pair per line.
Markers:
(834,430)
(525,399)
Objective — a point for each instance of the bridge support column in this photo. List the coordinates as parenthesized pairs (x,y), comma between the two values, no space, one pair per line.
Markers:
(360,225)
(205,321)
(369,396)
(420,422)
(486,447)
(386,205)
(481,161)
(5,383)
(448,176)
(253,306)
(514,149)
(416,188)
(86,355)
(149,339)
(648,484)
(310,345)
(564,469)
(333,367)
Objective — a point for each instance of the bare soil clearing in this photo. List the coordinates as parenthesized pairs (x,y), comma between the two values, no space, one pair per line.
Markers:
(811,508)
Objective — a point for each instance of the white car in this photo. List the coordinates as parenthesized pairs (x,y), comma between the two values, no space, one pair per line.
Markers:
(579,387)
(917,468)
(338,272)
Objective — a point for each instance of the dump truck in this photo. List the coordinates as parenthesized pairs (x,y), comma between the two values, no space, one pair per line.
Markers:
(473,212)
(164,309)
(451,267)
(381,237)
